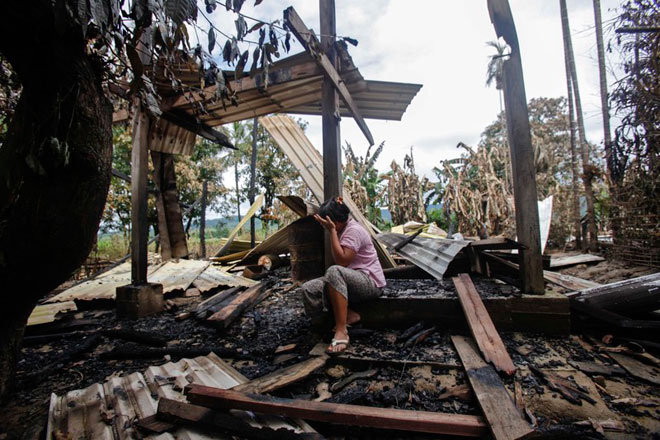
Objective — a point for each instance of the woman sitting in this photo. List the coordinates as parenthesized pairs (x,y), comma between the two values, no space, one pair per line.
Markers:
(356,275)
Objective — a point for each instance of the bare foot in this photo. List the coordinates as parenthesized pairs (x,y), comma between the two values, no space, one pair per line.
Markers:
(338,347)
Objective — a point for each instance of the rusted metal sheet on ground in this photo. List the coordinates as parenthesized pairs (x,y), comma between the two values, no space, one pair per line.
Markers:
(45,313)
(173,275)
(167,137)
(110,410)
(178,274)
(308,161)
(101,287)
(431,254)
(213,277)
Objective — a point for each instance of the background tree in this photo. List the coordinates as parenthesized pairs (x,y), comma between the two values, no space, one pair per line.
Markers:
(477,187)
(405,191)
(635,154)
(55,159)
(589,172)
(494,68)
(362,179)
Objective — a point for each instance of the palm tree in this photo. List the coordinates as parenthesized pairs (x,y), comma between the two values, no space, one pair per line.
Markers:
(494,68)
(587,169)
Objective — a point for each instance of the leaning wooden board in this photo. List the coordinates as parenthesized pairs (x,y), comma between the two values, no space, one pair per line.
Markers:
(481,325)
(355,415)
(309,163)
(495,402)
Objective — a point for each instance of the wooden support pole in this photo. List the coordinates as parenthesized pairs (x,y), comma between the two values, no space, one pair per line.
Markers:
(522,153)
(202,220)
(332,178)
(325,55)
(253,176)
(139,225)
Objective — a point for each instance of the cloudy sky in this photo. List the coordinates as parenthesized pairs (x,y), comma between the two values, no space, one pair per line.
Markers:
(442,45)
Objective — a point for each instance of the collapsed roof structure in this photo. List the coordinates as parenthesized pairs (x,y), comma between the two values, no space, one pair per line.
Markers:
(187,398)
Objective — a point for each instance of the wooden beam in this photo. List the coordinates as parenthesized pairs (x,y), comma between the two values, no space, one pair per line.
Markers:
(212,304)
(177,412)
(170,219)
(495,402)
(637,368)
(636,294)
(566,281)
(301,70)
(282,378)
(237,306)
(139,224)
(481,325)
(251,212)
(521,151)
(191,123)
(354,415)
(309,41)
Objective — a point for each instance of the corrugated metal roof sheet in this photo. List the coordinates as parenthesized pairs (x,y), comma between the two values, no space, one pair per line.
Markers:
(431,254)
(379,100)
(173,275)
(276,244)
(110,410)
(46,313)
(178,274)
(167,137)
(297,90)
(213,277)
(308,161)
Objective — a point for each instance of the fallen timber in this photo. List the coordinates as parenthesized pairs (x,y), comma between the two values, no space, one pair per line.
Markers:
(383,418)
(503,417)
(482,327)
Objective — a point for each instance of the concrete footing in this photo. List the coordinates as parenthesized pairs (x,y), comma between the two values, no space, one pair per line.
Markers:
(134,302)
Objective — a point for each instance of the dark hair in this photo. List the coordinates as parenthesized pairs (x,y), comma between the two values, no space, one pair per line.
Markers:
(336,209)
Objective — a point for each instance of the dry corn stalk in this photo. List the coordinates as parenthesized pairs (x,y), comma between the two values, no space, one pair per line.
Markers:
(405,192)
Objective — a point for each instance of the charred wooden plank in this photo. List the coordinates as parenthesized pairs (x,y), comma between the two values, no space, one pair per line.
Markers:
(500,411)
(132,351)
(284,377)
(383,418)
(130,335)
(176,412)
(637,294)
(213,304)
(637,368)
(239,304)
(481,325)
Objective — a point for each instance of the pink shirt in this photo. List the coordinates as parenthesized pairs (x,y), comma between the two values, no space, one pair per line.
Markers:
(356,238)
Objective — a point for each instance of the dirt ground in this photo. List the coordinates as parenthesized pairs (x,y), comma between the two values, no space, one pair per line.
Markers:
(394,373)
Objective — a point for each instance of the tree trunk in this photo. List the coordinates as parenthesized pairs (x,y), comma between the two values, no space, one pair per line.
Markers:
(571,116)
(587,168)
(238,191)
(613,178)
(55,163)
(253,176)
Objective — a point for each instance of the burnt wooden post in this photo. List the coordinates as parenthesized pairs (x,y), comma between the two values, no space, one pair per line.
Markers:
(139,298)
(522,154)
(202,221)
(253,176)
(332,178)
(139,224)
